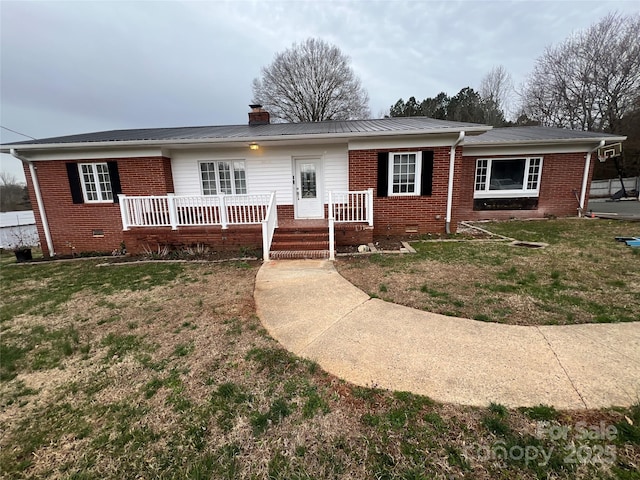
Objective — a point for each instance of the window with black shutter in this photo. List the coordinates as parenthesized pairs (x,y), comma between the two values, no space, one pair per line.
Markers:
(94,182)
(405,173)
(383,174)
(426,180)
(74,183)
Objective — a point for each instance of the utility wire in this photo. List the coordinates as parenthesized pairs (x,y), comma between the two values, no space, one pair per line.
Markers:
(28,136)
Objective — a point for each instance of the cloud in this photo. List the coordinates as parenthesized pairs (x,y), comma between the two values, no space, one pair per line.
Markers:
(146,64)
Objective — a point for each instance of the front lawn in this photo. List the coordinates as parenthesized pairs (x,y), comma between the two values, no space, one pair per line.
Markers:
(162,370)
(583,276)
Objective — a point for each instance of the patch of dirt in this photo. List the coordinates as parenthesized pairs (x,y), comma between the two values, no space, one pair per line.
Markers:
(380,243)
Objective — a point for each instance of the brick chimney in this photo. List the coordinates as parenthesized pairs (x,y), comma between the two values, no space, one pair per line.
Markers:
(258,115)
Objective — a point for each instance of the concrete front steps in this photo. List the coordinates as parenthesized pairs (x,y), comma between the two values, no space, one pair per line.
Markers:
(300,240)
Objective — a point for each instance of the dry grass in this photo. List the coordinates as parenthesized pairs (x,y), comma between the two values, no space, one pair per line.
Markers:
(583,275)
(165,372)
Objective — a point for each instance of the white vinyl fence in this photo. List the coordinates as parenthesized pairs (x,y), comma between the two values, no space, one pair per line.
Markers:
(18,229)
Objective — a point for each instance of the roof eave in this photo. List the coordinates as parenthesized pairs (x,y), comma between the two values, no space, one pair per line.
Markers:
(546,141)
(240,140)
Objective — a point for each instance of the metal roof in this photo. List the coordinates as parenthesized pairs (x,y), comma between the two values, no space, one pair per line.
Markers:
(515,135)
(477,135)
(345,128)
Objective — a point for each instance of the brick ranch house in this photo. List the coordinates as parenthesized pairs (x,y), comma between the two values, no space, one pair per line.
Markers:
(287,187)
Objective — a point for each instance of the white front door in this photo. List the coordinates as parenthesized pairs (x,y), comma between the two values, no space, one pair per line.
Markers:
(308,188)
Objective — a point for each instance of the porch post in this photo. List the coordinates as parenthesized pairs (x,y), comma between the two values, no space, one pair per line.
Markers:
(332,240)
(370,206)
(173,213)
(122,201)
(223,212)
(265,240)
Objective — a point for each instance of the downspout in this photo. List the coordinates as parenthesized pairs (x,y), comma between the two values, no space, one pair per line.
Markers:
(585,177)
(452,163)
(36,187)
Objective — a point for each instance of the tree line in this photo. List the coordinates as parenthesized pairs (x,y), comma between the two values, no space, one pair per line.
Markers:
(591,81)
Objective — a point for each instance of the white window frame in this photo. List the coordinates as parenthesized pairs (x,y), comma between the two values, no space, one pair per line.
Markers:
(514,193)
(102,193)
(232,170)
(418,175)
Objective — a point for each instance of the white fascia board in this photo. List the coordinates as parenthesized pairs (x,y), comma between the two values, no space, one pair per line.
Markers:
(91,153)
(567,145)
(238,141)
(530,148)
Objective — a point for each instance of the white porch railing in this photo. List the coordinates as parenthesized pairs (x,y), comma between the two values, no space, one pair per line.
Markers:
(269,225)
(348,207)
(193,210)
(224,210)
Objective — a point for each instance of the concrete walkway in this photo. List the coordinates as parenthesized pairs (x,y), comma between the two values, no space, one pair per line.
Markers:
(317,314)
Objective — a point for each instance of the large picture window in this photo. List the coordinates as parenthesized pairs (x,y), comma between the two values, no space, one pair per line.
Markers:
(508,177)
(96,182)
(223,177)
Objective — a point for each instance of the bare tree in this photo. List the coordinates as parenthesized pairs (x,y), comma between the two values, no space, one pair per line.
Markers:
(496,88)
(591,80)
(311,82)
(13,195)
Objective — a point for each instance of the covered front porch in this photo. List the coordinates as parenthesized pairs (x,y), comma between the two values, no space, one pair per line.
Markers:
(224,221)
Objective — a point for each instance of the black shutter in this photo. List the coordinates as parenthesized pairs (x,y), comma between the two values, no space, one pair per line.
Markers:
(74,183)
(114,176)
(426,182)
(383,174)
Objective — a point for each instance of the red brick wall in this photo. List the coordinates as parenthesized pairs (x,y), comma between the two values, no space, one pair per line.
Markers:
(347,234)
(398,215)
(561,176)
(71,225)
(247,236)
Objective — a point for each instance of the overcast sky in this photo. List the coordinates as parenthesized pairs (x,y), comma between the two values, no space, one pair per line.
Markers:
(83,66)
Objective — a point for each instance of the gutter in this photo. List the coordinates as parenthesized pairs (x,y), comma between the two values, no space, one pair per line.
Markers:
(543,141)
(585,177)
(452,162)
(36,187)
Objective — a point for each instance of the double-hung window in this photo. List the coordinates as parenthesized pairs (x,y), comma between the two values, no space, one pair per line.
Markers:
(404,173)
(508,177)
(226,177)
(96,182)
